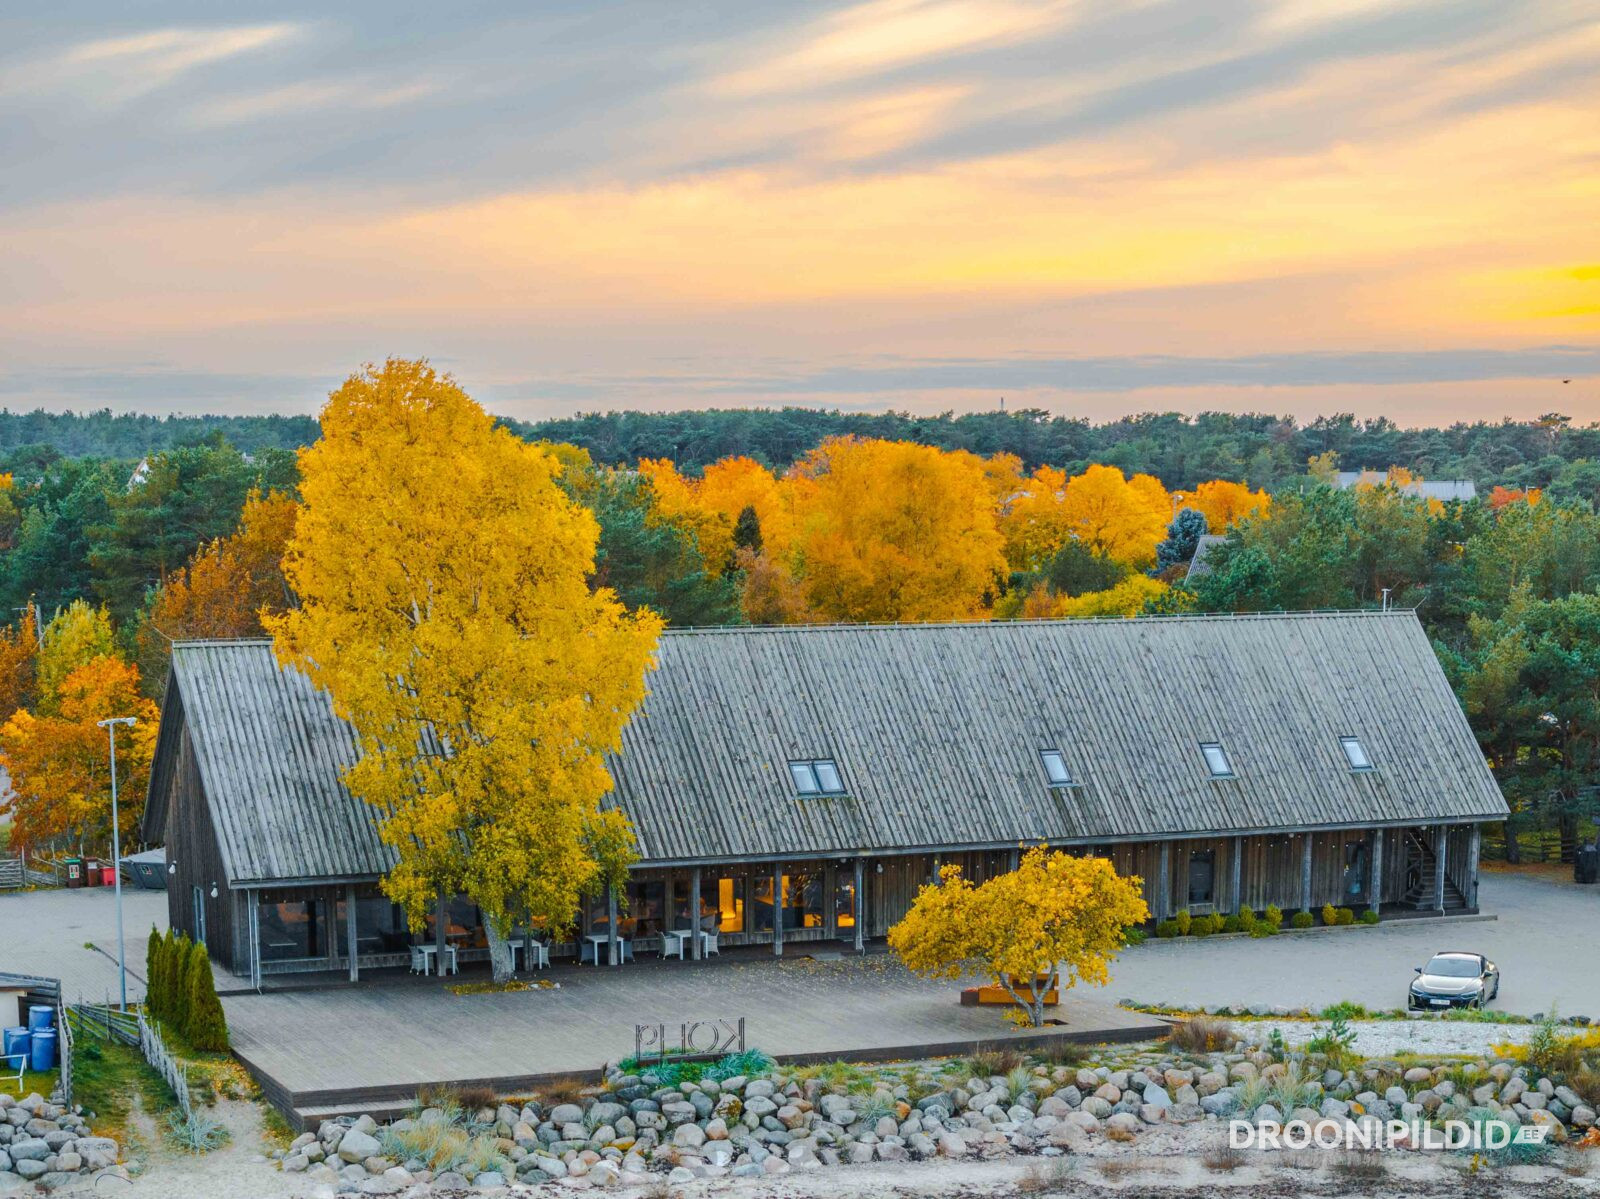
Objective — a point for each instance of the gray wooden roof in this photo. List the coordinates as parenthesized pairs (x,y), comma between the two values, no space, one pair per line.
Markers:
(269,751)
(937,731)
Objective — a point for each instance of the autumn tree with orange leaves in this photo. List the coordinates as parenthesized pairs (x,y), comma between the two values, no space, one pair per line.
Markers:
(19,650)
(59,763)
(893,531)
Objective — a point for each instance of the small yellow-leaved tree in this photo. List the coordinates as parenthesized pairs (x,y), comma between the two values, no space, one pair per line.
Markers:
(445,605)
(1053,920)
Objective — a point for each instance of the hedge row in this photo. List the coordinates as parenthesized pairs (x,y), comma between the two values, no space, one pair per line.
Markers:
(180,992)
(1264,925)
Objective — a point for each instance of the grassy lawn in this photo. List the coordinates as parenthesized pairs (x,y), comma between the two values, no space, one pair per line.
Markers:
(108,1077)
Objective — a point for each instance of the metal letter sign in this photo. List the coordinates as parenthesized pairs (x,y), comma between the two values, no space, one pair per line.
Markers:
(695,1038)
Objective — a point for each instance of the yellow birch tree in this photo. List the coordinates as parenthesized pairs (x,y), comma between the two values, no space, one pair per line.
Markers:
(445,606)
(1054,920)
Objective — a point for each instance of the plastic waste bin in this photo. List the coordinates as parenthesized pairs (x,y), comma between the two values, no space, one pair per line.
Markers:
(15,1040)
(108,876)
(91,872)
(44,1049)
(1586,866)
(40,1015)
(74,872)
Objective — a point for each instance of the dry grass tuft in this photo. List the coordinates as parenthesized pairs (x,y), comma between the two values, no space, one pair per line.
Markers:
(1118,1168)
(1223,1158)
(1359,1166)
(1044,1177)
(1202,1034)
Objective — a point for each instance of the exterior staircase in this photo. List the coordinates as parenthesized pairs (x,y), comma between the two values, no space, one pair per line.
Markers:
(1420,865)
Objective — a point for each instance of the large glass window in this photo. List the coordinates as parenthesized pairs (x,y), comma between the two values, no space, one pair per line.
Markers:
(1355,869)
(730,893)
(291,927)
(802,901)
(844,899)
(647,909)
(1202,877)
(380,923)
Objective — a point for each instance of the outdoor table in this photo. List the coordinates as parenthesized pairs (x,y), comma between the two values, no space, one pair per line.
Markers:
(597,940)
(428,952)
(678,936)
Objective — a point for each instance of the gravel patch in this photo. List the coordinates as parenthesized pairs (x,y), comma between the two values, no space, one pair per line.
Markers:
(1385,1038)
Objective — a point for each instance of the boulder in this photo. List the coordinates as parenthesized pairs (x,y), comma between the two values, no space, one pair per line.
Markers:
(357,1146)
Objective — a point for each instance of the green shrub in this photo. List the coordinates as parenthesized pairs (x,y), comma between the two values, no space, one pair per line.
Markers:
(1134,936)
(1201,927)
(1273,917)
(175,981)
(1230,924)
(1300,920)
(207,1027)
(152,970)
(1330,915)
(1370,916)
(1344,1010)
(1185,922)
(1247,920)
(1345,916)
(1167,928)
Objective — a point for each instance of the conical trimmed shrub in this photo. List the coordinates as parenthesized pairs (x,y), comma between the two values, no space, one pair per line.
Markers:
(152,974)
(176,984)
(208,1027)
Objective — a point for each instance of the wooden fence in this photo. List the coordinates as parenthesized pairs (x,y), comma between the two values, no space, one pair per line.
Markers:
(160,1058)
(12,874)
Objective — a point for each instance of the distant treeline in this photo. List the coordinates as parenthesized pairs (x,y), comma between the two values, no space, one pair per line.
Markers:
(1259,449)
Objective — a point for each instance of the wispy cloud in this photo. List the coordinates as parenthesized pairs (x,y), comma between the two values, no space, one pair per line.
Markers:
(359,95)
(118,69)
(880,35)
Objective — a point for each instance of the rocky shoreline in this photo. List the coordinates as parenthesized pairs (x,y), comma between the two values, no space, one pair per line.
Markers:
(639,1129)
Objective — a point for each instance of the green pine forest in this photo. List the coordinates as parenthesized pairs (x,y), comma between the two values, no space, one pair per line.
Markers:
(106,507)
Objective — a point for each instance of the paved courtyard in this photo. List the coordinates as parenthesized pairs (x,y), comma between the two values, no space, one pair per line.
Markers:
(51,933)
(405,1033)
(1544,939)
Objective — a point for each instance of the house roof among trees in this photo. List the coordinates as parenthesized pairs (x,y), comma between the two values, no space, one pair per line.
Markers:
(937,732)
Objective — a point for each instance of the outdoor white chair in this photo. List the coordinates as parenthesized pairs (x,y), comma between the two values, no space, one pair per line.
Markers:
(419,960)
(672,944)
(538,955)
(20,1060)
(708,945)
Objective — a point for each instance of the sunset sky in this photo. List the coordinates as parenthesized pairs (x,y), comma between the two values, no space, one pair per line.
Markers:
(1386,207)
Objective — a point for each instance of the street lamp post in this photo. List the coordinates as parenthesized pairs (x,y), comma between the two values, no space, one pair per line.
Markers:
(110,727)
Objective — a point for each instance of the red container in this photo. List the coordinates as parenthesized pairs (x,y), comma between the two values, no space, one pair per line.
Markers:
(108,876)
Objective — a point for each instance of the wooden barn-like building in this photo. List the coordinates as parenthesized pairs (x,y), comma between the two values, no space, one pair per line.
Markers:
(800,784)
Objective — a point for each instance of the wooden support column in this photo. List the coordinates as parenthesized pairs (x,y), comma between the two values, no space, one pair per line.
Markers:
(1236,867)
(694,910)
(1441,845)
(1305,873)
(1014,859)
(330,901)
(861,905)
(1375,888)
(439,917)
(777,911)
(611,926)
(254,899)
(350,939)
(1474,852)
(1164,882)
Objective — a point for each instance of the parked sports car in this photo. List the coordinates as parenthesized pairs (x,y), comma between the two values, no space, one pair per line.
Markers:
(1454,979)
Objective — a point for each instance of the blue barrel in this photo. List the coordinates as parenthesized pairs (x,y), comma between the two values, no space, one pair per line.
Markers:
(41,1016)
(44,1049)
(15,1040)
